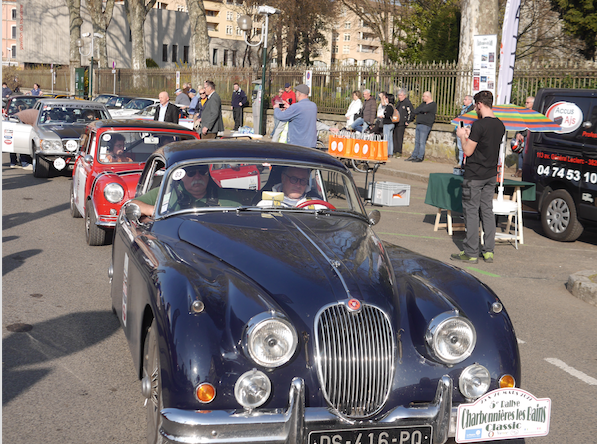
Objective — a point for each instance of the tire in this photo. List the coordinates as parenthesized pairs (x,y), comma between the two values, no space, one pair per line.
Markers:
(558,217)
(152,370)
(93,234)
(360,165)
(41,167)
(74,212)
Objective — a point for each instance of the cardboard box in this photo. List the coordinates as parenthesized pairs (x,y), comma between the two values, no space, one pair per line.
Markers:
(389,194)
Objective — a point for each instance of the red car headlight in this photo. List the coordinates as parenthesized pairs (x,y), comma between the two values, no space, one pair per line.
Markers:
(114,192)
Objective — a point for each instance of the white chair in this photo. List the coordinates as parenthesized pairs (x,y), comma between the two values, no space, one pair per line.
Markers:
(507,208)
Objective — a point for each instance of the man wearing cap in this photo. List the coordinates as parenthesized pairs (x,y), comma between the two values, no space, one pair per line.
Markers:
(166,112)
(301,118)
(288,95)
(239,101)
(182,100)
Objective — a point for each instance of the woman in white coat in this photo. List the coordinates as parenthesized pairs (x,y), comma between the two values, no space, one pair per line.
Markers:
(354,108)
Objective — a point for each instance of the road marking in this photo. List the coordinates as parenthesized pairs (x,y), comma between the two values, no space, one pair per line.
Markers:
(487,273)
(576,373)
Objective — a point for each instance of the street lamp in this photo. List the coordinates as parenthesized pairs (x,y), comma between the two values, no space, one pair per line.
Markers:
(246,24)
(9,53)
(80,46)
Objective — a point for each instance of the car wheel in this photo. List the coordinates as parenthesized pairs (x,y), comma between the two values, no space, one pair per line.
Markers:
(94,235)
(74,212)
(152,374)
(41,167)
(558,217)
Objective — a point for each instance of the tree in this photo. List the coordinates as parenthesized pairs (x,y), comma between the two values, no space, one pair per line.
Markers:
(75,22)
(136,12)
(442,36)
(580,20)
(199,35)
(101,16)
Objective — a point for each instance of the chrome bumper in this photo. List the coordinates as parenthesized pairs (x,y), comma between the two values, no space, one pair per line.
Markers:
(292,426)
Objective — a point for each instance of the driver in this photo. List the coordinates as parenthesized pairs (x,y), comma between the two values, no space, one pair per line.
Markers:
(116,150)
(89,115)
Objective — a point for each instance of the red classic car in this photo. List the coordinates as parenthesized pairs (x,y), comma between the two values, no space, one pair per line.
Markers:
(108,166)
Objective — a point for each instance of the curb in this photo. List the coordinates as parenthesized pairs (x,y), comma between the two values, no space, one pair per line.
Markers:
(583,285)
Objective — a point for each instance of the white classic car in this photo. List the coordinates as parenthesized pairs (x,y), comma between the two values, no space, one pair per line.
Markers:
(131,108)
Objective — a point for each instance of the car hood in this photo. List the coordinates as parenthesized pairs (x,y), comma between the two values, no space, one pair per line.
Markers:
(298,257)
(62,131)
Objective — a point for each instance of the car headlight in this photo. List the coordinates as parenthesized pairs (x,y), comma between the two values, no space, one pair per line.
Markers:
(271,341)
(51,145)
(252,389)
(451,337)
(114,192)
(474,381)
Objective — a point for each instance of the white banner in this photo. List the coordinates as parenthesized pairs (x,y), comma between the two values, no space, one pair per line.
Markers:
(484,63)
(508,52)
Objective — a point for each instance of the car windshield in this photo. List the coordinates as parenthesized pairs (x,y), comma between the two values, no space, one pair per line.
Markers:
(51,114)
(257,186)
(21,104)
(138,104)
(118,101)
(134,146)
(149,111)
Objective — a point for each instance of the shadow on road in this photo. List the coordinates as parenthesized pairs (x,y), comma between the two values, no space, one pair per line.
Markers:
(12,220)
(46,341)
(15,260)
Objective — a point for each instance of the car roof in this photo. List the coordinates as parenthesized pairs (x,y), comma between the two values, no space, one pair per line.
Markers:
(78,103)
(244,151)
(136,124)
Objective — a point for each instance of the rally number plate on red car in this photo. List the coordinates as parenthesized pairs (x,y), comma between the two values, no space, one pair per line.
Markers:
(394,435)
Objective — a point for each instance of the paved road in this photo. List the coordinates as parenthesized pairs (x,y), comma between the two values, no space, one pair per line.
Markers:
(70,378)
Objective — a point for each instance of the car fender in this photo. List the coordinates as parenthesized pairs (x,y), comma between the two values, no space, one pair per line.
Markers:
(127,179)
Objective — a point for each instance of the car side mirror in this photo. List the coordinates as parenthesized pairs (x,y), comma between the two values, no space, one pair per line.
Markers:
(374,217)
(132,212)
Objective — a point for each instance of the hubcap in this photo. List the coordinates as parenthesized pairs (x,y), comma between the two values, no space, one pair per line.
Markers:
(558,216)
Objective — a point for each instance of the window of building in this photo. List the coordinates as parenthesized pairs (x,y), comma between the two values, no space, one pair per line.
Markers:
(214,58)
(238,14)
(211,13)
(185,54)
(239,31)
(212,27)
(161,5)
(336,50)
(346,49)
(174,53)
(233,57)
(164,53)
(229,30)
(181,8)
(335,37)
(14,14)
(14,51)
(347,25)
(229,16)
(226,55)
(14,32)
(130,35)
(347,37)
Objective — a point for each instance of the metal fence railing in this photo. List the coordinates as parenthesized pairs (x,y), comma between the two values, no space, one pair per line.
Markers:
(331,87)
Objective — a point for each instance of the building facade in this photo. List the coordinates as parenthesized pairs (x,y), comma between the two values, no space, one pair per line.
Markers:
(10,32)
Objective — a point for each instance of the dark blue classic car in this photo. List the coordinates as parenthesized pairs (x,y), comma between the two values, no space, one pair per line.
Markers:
(260,306)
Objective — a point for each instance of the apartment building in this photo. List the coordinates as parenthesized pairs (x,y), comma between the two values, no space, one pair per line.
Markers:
(9,32)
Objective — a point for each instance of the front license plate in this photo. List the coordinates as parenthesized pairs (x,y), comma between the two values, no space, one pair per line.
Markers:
(394,435)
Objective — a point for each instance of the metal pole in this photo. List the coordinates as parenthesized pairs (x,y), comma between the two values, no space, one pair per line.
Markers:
(91,70)
(262,110)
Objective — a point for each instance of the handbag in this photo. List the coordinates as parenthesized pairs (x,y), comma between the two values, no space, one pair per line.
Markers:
(396,116)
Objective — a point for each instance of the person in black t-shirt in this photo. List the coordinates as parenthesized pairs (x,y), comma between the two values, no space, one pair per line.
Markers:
(481,144)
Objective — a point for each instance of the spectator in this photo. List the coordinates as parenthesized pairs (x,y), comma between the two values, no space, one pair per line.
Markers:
(521,138)
(198,109)
(481,145)
(354,109)
(239,101)
(406,113)
(387,100)
(211,116)
(288,98)
(369,112)
(166,112)
(6,91)
(467,105)
(277,99)
(301,118)
(35,91)
(425,117)
(194,101)
(288,95)
(182,100)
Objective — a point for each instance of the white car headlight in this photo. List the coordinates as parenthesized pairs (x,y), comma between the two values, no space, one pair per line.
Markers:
(51,145)
(114,192)
(252,389)
(474,381)
(271,341)
(451,337)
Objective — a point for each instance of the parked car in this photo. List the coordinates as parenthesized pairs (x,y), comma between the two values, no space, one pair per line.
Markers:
(254,319)
(54,138)
(118,102)
(14,104)
(563,164)
(148,113)
(104,98)
(132,107)
(104,179)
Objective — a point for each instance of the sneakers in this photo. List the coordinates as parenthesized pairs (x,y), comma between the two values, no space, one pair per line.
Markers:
(28,166)
(410,159)
(12,165)
(464,258)
(488,257)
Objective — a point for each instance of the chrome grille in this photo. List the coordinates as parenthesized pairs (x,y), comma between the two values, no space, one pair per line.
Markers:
(355,358)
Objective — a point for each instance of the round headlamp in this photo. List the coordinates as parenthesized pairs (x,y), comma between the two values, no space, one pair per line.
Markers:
(252,389)
(114,192)
(451,337)
(271,342)
(51,145)
(474,381)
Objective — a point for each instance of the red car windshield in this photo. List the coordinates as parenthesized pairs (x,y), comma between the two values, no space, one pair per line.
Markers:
(134,146)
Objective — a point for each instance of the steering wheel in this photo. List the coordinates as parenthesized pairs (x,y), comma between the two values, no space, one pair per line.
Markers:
(316,202)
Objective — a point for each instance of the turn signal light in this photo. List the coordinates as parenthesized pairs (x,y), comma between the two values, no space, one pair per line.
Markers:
(205,392)
(507,381)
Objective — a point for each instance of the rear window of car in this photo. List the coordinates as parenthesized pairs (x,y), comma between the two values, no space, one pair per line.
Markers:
(138,104)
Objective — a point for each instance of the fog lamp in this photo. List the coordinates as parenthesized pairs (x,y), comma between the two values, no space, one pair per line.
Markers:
(252,389)
(507,381)
(205,392)
(474,381)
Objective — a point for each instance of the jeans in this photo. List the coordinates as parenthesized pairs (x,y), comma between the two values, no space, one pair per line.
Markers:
(460,151)
(25,159)
(276,121)
(359,125)
(388,135)
(478,195)
(520,160)
(421,134)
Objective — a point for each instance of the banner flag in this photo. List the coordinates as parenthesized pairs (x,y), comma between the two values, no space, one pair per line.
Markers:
(508,52)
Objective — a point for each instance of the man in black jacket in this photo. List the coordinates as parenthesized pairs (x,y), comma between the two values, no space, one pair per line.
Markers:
(166,112)
(425,113)
(405,109)
(239,101)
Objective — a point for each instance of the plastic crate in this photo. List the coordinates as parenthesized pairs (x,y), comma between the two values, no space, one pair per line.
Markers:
(389,194)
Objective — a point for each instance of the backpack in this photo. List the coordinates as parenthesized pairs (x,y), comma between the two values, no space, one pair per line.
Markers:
(396,116)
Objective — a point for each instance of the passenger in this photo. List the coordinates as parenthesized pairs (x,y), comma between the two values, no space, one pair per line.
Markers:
(89,115)
(295,186)
(116,150)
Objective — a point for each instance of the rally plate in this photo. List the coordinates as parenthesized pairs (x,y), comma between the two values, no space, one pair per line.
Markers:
(393,435)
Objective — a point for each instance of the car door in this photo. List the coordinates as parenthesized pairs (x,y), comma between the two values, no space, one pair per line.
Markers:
(82,172)
(16,136)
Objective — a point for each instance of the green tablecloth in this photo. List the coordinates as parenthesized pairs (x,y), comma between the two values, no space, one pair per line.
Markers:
(445,191)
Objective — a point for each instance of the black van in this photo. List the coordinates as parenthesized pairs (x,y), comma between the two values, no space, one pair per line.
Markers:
(563,165)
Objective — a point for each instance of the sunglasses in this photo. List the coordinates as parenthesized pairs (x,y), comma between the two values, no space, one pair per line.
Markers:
(203,171)
(201,94)
(294,180)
